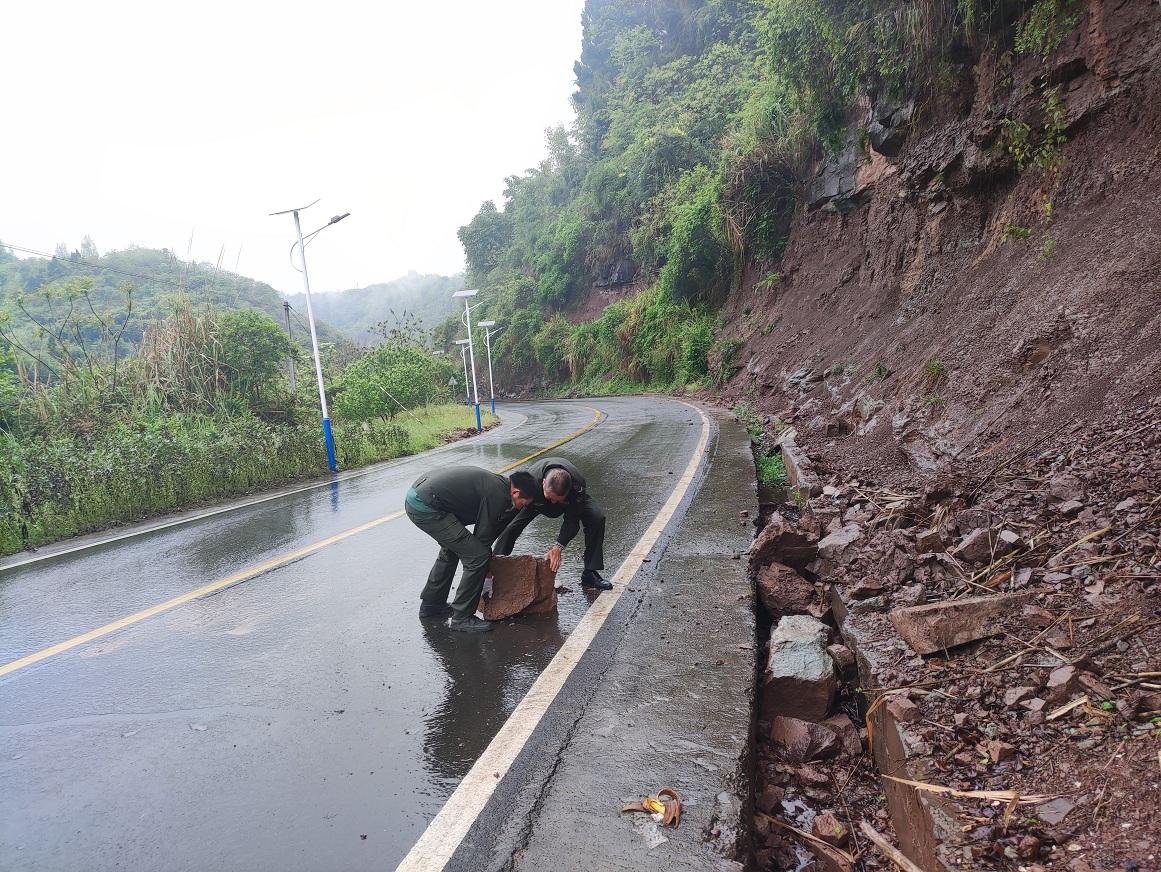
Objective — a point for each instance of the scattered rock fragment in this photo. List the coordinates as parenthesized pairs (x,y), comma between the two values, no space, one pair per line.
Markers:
(1063,682)
(831,830)
(783,591)
(836,546)
(1015,695)
(783,542)
(904,710)
(797,741)
(976,547)
(942,625)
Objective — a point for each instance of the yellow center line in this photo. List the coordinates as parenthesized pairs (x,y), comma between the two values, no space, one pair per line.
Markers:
(245,573)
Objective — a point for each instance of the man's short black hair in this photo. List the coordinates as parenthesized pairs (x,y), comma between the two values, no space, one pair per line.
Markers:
(559,481)
(523,481)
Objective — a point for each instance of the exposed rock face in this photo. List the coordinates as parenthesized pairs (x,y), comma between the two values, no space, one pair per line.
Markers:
(922,267)
(799,679)
(519,584)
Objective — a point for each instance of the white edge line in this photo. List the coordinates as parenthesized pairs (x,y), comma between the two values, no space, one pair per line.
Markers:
(447,830)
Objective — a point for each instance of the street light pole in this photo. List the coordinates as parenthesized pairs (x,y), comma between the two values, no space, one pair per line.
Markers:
(467,319)
(463,344)
(488,334)
(322,397)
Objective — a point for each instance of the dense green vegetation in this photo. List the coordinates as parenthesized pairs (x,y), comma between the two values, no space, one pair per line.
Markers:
(697,123)
(109,415)
(131,382)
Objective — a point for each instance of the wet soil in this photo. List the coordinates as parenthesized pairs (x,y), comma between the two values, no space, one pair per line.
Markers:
(945,377)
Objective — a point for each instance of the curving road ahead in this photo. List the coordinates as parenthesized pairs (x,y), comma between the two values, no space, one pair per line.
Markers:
(252,688)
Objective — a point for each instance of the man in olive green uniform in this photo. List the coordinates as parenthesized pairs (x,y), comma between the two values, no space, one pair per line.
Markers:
(561,492)
(442,504)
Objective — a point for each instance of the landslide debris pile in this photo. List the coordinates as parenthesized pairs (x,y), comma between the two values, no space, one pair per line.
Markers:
(1002,624)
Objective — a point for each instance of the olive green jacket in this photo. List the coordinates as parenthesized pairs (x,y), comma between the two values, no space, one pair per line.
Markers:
(474,495)
(571,507)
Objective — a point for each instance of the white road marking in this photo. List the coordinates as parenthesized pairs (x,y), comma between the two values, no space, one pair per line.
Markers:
(447,830)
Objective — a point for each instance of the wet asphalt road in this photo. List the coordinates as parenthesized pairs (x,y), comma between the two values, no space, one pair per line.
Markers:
(274,723)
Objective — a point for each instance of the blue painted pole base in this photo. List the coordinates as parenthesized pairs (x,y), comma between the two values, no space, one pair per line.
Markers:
(493,405)
(330,444)
(479,423)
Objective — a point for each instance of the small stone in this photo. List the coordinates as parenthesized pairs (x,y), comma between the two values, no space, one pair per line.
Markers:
(1014,695)
(910,595)
(1062,682)
(929,542)
(904,710)
(1011,541)
(1069,508)
(830,829)
(770,798)
(976,547)
(1125,505)
(1034,616)
(843,657)
(998,751)
(836,546)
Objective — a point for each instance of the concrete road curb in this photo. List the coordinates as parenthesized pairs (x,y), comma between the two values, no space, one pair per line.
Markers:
(669,704)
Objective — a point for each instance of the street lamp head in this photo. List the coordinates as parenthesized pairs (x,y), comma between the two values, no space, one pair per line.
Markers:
(466,293)
(485,323)
(338,218)
(462,341)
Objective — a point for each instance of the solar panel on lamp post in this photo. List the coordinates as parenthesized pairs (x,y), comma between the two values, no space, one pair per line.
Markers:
(488,334)
(322,397)
(467,319)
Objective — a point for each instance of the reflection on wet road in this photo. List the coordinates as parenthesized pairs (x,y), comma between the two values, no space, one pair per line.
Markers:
(274,723)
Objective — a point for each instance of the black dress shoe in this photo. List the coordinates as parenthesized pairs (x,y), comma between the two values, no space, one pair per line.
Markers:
(592,578)
(433,610)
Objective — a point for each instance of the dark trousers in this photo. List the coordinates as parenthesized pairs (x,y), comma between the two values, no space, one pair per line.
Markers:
(592,519)
(456,545)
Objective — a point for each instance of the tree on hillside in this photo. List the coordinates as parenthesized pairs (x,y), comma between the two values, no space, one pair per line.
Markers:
(390,377)
(254,350)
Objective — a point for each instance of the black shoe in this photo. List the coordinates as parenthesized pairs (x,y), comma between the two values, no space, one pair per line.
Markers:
(592,578)
(433,610)
(469,623)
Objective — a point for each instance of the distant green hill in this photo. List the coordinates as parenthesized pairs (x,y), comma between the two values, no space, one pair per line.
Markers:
(357,311)
(161,282)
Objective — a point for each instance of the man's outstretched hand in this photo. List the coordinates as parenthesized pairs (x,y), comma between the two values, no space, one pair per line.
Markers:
(554,557)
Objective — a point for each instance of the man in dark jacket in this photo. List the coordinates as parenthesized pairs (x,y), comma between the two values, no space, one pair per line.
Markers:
(562,492)
(442,504)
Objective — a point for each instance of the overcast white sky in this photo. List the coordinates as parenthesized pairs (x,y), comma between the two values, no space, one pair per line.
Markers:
(143,122)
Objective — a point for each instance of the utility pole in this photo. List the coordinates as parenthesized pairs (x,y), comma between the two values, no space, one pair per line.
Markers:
(286,309)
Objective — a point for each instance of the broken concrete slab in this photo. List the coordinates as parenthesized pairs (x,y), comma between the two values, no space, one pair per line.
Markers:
(938,626)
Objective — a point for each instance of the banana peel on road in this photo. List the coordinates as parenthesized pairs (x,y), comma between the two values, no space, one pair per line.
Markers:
(667,803)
